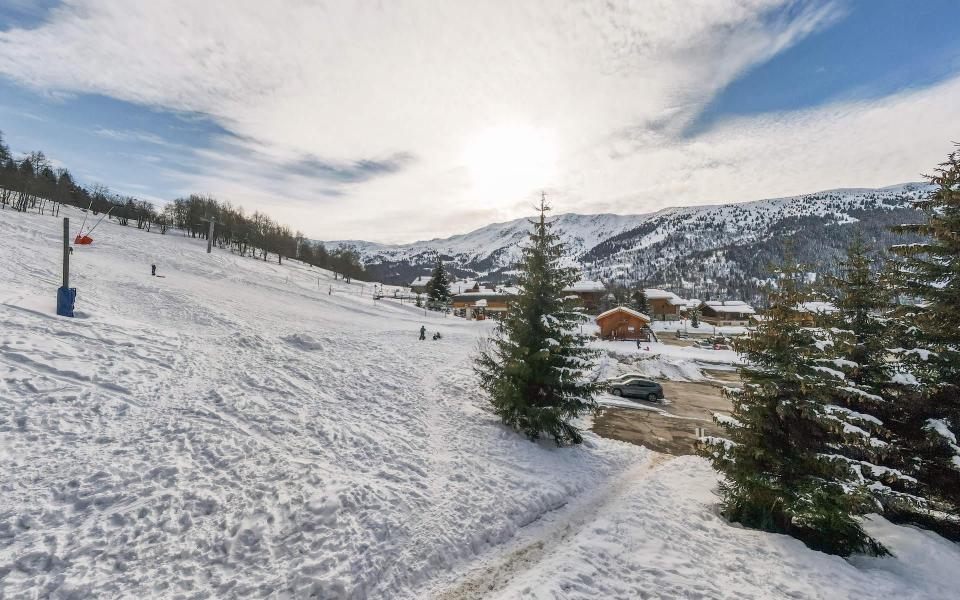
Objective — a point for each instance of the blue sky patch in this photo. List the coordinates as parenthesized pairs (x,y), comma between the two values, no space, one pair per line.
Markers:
(880,47)
(133,149)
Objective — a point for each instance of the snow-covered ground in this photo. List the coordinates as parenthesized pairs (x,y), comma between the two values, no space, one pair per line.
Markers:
(663,361)
(234,428)
(662,538)
(239,428)
(703,328)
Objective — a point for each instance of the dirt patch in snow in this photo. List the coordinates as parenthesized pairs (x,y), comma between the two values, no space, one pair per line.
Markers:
(666,428)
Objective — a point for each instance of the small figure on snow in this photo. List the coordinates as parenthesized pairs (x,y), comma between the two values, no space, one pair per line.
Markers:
(437,336)
(153,270)
(638,343)
(423,332)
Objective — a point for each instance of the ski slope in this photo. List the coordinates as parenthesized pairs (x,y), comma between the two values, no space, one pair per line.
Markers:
(239,428)
(236,429)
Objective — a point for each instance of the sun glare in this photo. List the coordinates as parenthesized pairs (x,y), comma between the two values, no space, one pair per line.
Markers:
(508,162)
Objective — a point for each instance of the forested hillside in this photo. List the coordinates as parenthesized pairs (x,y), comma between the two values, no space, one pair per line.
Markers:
(702,251)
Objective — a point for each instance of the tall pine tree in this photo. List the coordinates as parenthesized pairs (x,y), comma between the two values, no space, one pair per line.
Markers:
(640,302)
(438,288)
(869,403)
(781,471)
(929,274)
(534,368)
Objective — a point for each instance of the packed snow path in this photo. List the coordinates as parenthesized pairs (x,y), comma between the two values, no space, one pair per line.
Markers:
(239,428)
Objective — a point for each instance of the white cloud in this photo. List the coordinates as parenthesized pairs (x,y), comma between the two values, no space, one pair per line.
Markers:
(353,119)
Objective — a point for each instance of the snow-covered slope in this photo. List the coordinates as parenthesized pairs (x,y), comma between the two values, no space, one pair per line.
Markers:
(242,429)
(677,231)
(239,428)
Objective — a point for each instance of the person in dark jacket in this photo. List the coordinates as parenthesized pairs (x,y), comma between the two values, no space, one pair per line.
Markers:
(423,332)
(153,270)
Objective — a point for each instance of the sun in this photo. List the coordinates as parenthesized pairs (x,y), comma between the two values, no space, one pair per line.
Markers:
(508,162)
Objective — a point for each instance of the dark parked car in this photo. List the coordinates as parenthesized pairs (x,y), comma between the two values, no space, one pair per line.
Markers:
(638,388)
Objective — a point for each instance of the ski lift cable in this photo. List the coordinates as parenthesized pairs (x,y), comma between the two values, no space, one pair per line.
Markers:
(80,231)
(106,214)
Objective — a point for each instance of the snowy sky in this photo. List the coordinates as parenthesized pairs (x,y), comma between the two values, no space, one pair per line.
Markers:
(402,120)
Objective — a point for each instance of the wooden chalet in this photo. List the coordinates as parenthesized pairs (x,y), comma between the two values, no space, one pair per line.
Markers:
(590,293)
(731,312)
(664,305)
(419,285)
(622,323)
(480,302)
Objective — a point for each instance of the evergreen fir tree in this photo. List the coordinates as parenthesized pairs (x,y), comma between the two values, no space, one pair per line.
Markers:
(929,274)
(640,302)
(868,405)
(695,317)
(438,288)
(780,465)
(534,367)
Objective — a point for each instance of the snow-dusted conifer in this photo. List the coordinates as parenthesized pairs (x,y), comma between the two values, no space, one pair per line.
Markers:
(535,367)
(869,404)
(780,468)
(640,302)
(929,274)
(438,288)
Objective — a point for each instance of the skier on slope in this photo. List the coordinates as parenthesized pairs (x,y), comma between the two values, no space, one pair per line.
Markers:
(423,332)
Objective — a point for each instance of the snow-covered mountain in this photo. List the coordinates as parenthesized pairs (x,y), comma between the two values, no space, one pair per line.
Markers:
(496,246)
(659,246)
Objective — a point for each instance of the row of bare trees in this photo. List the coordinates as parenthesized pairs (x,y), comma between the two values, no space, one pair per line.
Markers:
(32,183)
(256,235)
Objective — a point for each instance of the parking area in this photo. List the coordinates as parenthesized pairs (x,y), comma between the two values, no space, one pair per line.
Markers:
(668,428)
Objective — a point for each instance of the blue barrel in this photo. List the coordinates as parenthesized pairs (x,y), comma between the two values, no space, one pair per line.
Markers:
(66,297)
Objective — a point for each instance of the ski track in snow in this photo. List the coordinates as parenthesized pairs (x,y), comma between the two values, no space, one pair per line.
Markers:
(232,429)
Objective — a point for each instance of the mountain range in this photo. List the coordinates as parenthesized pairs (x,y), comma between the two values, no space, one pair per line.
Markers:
(703,251)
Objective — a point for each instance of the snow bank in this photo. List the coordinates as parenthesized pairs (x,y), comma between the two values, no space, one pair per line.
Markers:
(662,361)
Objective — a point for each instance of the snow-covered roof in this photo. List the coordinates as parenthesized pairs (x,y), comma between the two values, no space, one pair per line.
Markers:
(420,281)
(657,294)
(462,285)
(818,308)
(485,292)
(624,309)
(731,306)
(586,286)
